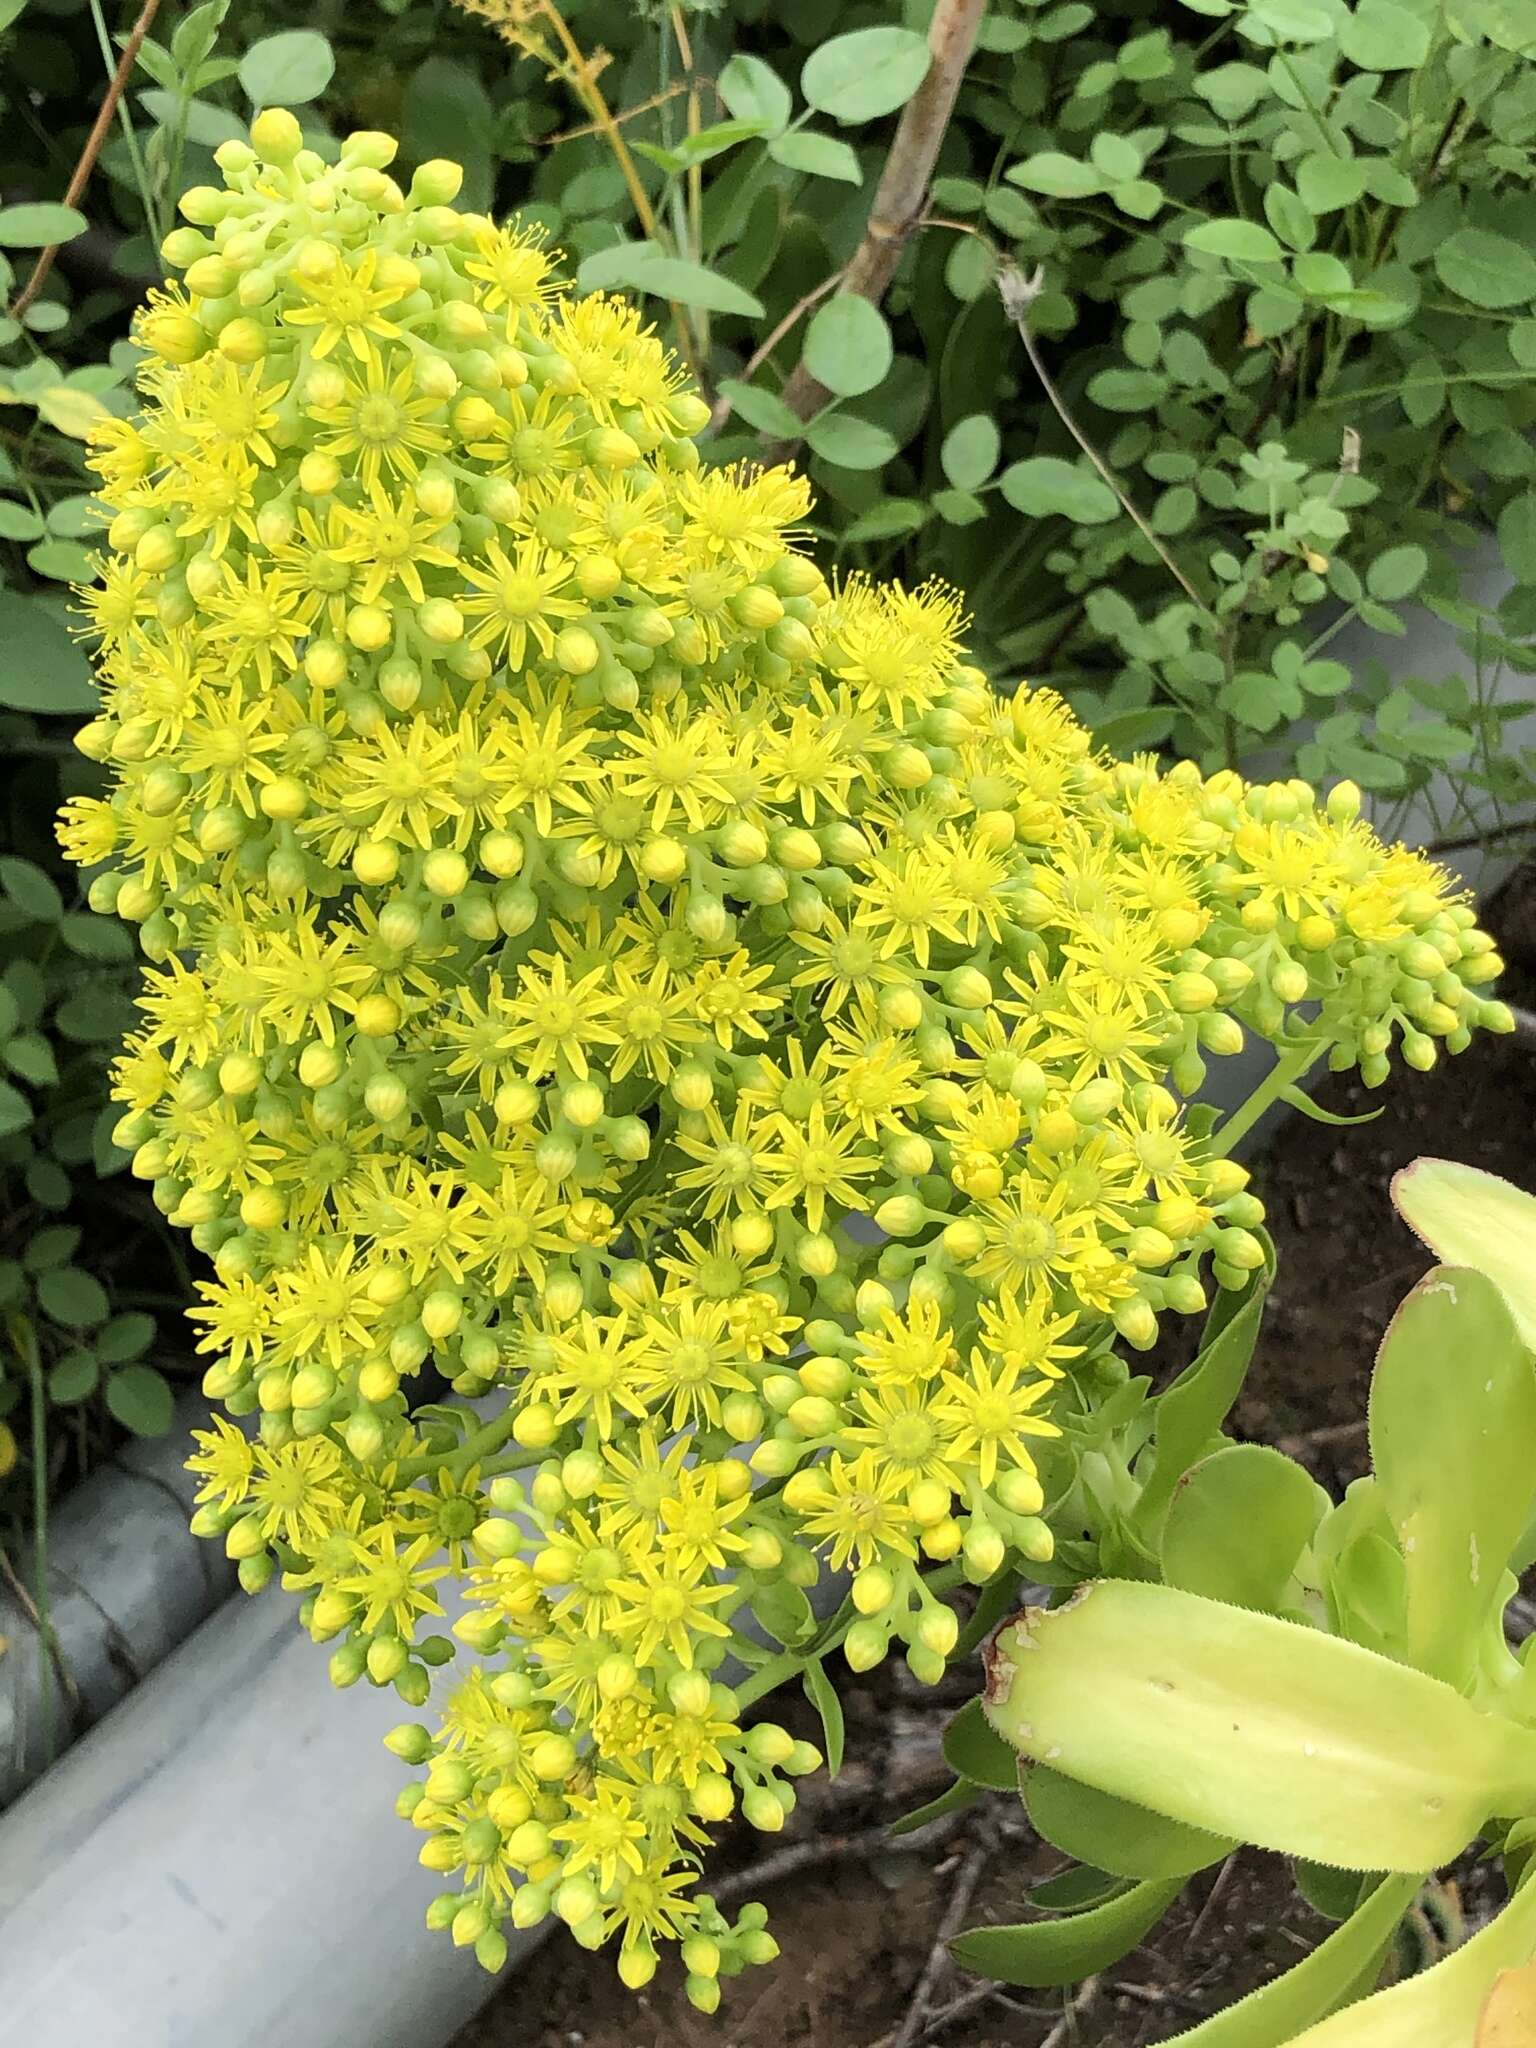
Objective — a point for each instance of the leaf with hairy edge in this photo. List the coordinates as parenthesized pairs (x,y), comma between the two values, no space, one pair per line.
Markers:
(1442,2007)
(1112,1834)
(955,1800)
(1253,1727)
(1270,2016)
(1043,1953)
(1237,1524)
(1075,1890)
(1454,1452)
(977,1753)
(1471,1218)
(1190,1411)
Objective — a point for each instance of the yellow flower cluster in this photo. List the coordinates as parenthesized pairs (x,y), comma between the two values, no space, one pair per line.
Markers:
(677,1003)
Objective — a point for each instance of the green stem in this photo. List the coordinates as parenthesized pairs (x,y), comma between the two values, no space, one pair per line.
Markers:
(790,1663)
(471,1451)
(1291,1066)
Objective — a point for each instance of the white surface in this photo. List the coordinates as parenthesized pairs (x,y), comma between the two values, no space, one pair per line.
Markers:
(219,1865)
(127,1583)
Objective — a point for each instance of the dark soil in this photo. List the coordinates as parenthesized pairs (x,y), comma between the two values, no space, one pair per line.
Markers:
(856,1932)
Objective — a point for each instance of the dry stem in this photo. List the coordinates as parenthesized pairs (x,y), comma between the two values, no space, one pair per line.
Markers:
(88,155)
(903,189)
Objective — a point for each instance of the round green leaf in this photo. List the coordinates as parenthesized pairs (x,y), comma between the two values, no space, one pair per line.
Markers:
(1239,241)
(1485,268)
(867,73)
(1517,537)
(850,443)
(958,508)
(37,224)
(1232,91)
(94,937)
(1288,216)
(73,1297)
(970,451)
(141,1400)
(32,891)
(761,409)
(1397,573)
(15,1110)
(1127,390)
(126,1336)
(286,70)
(819,156)
(63,560)
(19,522)
(848,345)
(1045,485)
(754,91)
(73,1377)
(44,669)
(31,1056)
(1381,36)
(1061,177)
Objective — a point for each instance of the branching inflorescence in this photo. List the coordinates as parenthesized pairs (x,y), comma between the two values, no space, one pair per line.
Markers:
(674,1000)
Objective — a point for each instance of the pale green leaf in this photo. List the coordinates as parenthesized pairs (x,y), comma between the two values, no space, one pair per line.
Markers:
(819,156)
(848,345)
(1471,1218)
(1041,1953)
(1381,36)
(970,451)
(1043,486)
(1441,2007)
(754,91)
(36,223)
(1256,1728)
(1454,1453)
(1237,1526)
(1112,1834)
(288,69)
(1486,269)
(1062,177)
(849,443)
(866,73)
(1238,241)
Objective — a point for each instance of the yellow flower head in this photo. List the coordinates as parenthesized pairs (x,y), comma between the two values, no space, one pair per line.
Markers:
(680,1006)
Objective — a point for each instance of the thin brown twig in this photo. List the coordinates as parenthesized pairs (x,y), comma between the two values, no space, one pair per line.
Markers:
(657,99)
(1515,829)
(1212,1898)
(902,193)
(105,115)
(824,1849)
(1077,2005)
(979,1994)
(24,1600)
(760,355)
(911,2028)
(1018,294)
